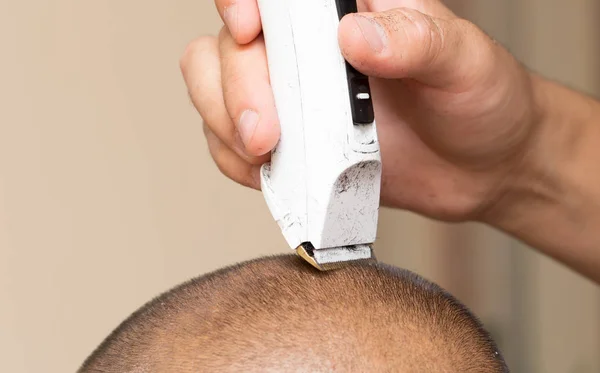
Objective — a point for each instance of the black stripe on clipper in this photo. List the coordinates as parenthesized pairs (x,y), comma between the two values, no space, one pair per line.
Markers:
(358,84)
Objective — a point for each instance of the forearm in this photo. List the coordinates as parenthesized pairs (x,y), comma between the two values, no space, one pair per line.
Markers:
(553,201)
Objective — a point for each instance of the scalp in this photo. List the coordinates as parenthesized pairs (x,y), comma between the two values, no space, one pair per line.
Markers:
(278,313)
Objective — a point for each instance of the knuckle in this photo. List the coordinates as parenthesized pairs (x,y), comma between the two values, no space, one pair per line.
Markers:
(472,32)
(427,31)
(198,46)
(435,40)
(485,46)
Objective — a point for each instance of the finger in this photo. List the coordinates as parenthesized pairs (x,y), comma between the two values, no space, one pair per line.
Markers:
(248,94)
(241,17)
(405,43)
(201,70)
(230,164)
(433,8)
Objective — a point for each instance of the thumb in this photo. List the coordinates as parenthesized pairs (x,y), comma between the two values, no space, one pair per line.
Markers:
(405,43)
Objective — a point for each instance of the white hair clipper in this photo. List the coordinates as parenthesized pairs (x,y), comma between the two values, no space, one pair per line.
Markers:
(323,183)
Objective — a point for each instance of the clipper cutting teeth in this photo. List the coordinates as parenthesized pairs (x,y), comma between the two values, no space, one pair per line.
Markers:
(335,258)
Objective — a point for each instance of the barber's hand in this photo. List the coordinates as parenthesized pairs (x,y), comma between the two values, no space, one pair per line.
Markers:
(454,110)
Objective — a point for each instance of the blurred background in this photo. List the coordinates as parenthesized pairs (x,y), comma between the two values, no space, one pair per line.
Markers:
(108,196)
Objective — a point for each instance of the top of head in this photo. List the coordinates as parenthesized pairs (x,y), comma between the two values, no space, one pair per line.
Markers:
(279,314)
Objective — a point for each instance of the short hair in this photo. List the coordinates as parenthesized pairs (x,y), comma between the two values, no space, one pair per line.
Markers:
(278,314)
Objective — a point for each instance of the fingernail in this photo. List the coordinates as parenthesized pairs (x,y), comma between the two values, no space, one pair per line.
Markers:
(230,14)
(247,125)
(373,33)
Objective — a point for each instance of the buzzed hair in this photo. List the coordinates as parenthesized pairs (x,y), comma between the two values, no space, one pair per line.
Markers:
(278,314)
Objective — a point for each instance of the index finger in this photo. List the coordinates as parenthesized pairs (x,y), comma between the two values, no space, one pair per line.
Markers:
(241,17)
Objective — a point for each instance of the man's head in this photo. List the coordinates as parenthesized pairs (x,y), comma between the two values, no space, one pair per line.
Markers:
(278,314)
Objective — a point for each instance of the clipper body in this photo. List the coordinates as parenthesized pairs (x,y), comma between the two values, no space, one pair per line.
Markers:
(322,185)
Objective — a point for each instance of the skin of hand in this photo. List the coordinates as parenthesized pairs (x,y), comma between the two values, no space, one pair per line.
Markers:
(454,109)
(462,125)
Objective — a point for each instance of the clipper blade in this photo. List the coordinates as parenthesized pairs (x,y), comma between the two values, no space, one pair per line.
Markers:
(337,257)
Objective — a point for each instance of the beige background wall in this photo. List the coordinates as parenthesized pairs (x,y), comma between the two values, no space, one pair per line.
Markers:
(108,196)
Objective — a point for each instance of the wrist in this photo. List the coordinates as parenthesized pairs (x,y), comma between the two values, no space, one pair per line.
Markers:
(552,199)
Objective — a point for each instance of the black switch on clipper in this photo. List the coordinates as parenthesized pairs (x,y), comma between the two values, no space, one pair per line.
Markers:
(362,105)
(346,7)
(358,83)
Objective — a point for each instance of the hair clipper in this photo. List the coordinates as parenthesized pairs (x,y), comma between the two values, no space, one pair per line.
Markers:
(322,185)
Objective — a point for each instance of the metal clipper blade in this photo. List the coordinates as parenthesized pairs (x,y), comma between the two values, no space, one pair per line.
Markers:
(337,257)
